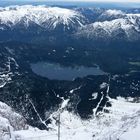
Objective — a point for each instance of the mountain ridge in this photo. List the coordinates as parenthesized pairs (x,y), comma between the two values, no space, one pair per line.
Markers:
(105,24)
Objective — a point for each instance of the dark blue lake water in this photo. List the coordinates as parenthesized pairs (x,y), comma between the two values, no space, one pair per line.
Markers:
(56,71)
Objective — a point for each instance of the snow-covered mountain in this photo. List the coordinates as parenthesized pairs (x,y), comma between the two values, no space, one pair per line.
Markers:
(43,16)
(120,28)
(89,23)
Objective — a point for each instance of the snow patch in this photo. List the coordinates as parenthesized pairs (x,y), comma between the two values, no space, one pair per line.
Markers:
(114,12)
(122,117)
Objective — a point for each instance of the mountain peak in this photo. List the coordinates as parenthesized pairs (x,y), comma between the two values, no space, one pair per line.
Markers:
(46,17)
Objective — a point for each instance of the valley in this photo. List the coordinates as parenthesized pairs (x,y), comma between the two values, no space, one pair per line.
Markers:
(78,61)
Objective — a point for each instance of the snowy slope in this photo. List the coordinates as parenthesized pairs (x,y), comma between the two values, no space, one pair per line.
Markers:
(126,28)
(123,116)
(110,24)
(111,14)
(132,134)
(46,17)
(9,118)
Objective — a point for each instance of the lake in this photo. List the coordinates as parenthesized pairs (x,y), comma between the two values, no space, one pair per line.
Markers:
(55,71)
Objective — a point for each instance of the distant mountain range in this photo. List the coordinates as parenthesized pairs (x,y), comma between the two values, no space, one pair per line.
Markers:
(117,26)
(46,17)
(90,23)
